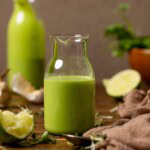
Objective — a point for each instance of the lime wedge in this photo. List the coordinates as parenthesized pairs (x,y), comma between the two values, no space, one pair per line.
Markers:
(15,127)
(122,83)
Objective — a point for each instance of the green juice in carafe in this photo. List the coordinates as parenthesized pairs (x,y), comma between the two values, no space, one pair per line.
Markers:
(69,104)
(26,44)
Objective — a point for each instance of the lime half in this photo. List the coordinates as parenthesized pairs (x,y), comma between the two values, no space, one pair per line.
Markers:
(15,127)
(105,82)
(122,83)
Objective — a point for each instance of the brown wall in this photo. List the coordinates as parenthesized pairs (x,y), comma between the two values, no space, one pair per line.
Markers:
(85,17)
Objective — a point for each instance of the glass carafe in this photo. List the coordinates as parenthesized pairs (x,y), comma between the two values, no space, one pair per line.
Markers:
(69,87)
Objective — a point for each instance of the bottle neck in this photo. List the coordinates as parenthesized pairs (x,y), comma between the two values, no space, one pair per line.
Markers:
(23,5)
(70,56)
(69,47)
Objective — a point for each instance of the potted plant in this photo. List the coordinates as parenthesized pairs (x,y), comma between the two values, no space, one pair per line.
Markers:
(125,40)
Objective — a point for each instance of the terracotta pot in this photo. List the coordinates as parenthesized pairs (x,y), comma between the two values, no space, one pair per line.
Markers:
(139,60)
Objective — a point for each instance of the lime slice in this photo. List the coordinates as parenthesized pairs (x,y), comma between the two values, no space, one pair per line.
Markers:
(15,127)
(122,83)
(105,82)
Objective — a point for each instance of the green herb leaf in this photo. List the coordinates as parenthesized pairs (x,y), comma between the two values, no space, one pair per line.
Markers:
(117,52)
(44,139)
(124,7)
(98,120)
(118,31)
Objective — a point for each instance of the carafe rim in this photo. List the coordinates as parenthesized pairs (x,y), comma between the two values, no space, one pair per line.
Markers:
(69,36)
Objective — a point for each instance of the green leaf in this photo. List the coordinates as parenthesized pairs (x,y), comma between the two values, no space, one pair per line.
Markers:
(44,139)
(124,7)
(98,120)
(123,36)
(117,53)
(126,44)
(146,42)
(117,31)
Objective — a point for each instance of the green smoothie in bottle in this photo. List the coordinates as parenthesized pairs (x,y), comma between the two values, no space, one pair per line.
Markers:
(26,44)
(69,104)
(69,87)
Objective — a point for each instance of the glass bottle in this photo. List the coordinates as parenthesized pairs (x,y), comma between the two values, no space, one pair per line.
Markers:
(69,87)
(26,44)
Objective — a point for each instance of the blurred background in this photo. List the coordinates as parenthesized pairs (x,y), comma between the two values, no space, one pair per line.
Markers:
(85,17)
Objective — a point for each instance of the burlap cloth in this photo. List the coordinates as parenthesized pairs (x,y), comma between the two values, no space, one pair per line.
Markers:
(132,132)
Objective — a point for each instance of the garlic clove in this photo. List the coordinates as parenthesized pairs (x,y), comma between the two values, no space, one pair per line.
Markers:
(21,86)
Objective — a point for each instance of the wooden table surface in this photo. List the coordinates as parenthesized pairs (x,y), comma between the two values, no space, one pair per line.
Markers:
(104,104)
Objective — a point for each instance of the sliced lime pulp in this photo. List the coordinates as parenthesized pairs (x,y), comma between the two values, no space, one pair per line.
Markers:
(15,127)
(122,83)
